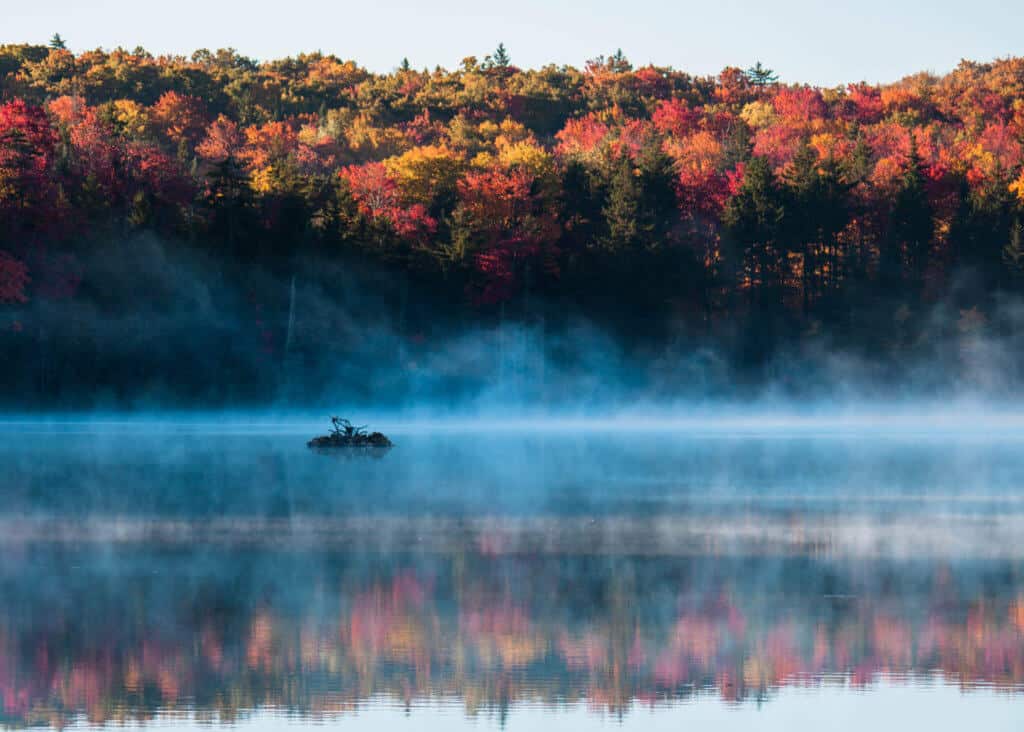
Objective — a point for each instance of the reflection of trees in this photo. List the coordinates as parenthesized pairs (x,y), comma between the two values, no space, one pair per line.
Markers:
(494,633)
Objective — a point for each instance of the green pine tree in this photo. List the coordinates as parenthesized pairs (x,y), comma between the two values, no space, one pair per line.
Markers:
(754,218)
(905,249)
(621,208)
(761,76)
(501,59)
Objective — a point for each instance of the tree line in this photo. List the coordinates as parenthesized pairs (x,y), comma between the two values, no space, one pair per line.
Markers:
(638,195)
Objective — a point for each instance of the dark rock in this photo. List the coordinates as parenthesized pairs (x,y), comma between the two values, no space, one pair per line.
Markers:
(345,434)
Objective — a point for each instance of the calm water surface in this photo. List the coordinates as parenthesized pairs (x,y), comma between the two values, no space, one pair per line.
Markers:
(189,577)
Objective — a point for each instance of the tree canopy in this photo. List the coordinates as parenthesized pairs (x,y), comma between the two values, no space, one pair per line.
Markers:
(688,194)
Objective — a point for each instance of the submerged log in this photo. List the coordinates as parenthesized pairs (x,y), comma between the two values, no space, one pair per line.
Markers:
(345,434)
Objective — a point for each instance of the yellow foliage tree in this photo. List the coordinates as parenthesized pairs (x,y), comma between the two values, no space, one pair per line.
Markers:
(758,115)
(369,142)
(426,172)
(1018,187)
(131,118)
(699,154)
(531,158)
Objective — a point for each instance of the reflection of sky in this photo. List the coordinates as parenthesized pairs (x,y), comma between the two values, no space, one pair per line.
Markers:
(890,706)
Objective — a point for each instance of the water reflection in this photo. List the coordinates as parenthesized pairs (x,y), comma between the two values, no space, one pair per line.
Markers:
(182,579)
(129,635)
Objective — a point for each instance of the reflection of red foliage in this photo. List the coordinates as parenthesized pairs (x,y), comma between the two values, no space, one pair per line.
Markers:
(398,637)
(588,651)
(500,619)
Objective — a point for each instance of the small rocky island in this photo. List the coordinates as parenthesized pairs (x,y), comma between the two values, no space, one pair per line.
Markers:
(345,434)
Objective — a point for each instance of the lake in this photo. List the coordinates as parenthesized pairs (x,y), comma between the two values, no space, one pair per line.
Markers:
(775,576)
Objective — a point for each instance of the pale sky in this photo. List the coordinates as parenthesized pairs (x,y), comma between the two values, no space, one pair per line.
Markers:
(813,41)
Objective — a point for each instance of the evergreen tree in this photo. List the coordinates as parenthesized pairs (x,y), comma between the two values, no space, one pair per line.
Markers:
(501,58)
(906,246)
(621,208)
(582,201)
(761,76)
(656,181)
(985,221)
(57,42)
(756,212)
(858,166)
(802,181)
(754,218)
(814,190)
(229,200)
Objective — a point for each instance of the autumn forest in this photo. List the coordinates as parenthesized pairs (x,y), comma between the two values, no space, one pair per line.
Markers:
(743,208)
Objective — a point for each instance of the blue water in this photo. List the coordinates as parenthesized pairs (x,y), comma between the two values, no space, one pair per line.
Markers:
(191,575)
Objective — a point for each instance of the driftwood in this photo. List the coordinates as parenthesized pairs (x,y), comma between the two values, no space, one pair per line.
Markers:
(345,434)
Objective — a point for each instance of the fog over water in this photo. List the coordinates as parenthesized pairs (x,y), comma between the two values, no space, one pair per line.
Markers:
(769,569)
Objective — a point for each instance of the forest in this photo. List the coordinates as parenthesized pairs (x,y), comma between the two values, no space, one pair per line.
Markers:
(660,206)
